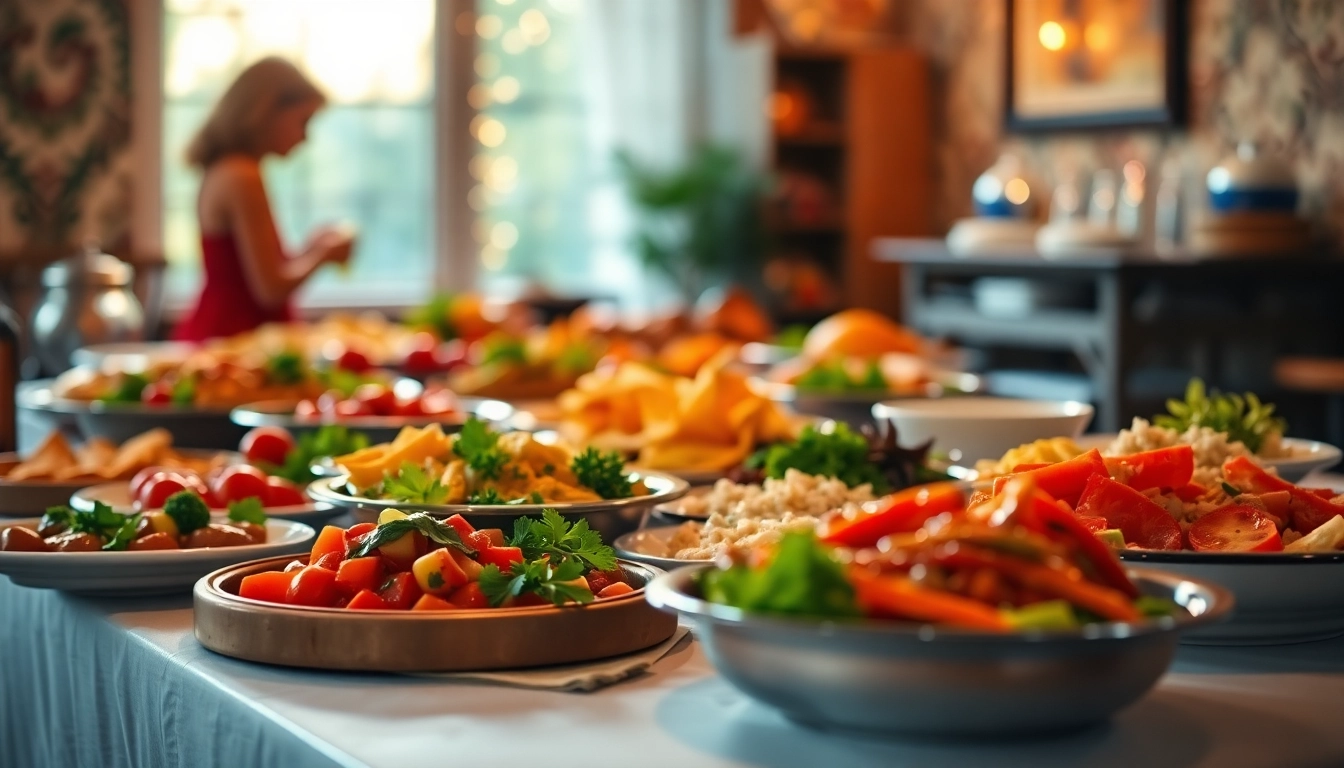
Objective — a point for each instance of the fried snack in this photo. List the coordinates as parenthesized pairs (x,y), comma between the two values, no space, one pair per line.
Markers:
(709,423)
(51,456)
(99,460)
(366,466)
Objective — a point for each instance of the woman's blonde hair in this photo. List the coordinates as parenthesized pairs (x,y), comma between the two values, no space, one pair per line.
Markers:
(266,87)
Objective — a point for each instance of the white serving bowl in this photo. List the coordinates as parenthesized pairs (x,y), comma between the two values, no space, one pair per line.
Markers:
(973,428)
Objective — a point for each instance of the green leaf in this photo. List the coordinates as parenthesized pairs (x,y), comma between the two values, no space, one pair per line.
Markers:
(503,350)
(128,390)
(1242,418)
(1231,490)
(539,577)
(286,367)
(602,472)
(840,453)
(479,447)
(123,536)
(802,580)
(57,516)
(249,510)
(184,391)
(556,538)
(413,484)
(488,496)
(431,528)
(324,442)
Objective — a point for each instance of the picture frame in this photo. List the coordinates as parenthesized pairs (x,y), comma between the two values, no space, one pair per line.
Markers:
(1086,64)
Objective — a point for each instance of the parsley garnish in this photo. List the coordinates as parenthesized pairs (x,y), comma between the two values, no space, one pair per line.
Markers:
(413,484)
(128,389)
(603,472)
(247,510)
(184,391)
(539,577)
(327,440)
(285,367)
(488,496)
(555,538)
(431,528)
(117,530)
(840,453)
(802,579)
(479,447)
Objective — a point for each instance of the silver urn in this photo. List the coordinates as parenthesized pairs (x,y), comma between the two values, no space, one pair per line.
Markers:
(86,299)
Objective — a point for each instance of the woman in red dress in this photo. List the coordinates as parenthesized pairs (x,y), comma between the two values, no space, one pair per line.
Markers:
(249,278)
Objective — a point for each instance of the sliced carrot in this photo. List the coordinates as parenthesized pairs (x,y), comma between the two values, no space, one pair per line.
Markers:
(904,512)
(270,586)
(1050,582)
(899,597)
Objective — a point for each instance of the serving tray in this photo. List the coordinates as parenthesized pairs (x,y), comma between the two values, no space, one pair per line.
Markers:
(422,641)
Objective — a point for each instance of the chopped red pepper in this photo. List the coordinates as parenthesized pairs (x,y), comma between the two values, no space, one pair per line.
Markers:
(1163,468)
(1057,522)
(902,513)
(1065,480)
(1190,492)
(1142,521)
(1309,510)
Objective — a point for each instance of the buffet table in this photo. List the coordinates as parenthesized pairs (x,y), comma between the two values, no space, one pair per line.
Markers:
(106,682)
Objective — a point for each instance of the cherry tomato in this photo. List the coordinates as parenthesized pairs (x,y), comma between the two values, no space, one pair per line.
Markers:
(377,398)
(306,409)
(239,482)
(411,407)
(1235,528)
(143,477)
(420,361)
(282,493)
(158,488)
(267,445)
(437,401)
(353,360)
(158,393)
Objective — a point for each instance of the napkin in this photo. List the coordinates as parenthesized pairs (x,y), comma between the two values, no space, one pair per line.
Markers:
(583,677)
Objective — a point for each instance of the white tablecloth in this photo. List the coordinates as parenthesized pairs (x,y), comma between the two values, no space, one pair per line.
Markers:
(106,683)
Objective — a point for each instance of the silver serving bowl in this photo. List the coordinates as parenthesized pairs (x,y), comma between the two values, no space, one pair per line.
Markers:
(894,678)
(379,429)
(190,426)
(609,517)
(1282,597)
(856,408)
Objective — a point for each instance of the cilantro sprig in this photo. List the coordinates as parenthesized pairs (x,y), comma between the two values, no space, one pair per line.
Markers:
(429,527)
(840,453)
(477,445)
(116,530)
(327,440)
(556,583)
(603,472)
(249,510)
(1242,417)
(413,484)
(560,541)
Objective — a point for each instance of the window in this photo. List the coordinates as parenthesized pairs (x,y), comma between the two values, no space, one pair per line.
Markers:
(368,159)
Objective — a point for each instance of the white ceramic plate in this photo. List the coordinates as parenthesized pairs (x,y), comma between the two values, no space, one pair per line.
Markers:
(1307,455)
(1281,597)
(647,546)
(132,574)
(117,495)
(672,509)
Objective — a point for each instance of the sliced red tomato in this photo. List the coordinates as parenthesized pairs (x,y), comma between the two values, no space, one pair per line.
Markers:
(400,591)
(359,574)
(1189,492)
(313,586)
(1308,510)
(1142,521)
(142,478)
(502,558)
(268,445)
(903,512)
(270,586)
(1235,528)
(1093,524)
(485,538)
(367,600)
(1163,468)
(158,488)
(331,539)
(1064,480)
(469,595)
(240,482)
(1057,522)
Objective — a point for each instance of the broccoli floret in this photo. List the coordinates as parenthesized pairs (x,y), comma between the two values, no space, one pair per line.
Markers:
(188,510)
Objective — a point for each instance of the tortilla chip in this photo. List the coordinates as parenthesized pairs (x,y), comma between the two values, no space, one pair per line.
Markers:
(52,456)
(137,453)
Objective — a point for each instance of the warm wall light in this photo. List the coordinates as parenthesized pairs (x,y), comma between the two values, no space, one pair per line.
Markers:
(1097,36)
(1052,36)
(1016,191)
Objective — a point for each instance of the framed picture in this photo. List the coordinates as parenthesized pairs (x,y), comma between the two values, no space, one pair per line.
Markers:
(1095,64)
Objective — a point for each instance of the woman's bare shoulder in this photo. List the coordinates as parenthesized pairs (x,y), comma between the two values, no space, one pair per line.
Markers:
(233,171)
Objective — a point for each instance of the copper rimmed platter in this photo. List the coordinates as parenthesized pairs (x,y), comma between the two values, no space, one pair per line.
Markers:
(422,641)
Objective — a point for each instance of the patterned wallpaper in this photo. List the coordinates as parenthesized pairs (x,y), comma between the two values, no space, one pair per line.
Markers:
(64,124)
(1271,71)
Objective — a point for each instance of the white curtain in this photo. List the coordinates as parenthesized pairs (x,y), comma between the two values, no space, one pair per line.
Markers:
(660,77)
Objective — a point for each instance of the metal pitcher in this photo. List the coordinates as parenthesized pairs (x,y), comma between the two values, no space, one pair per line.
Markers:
(86,299)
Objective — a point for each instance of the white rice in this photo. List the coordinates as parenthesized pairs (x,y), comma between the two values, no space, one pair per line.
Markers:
(1211,448)
(749,515)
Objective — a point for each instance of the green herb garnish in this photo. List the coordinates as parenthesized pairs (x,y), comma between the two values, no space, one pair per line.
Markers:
(435,315)
(432,529)
(413,484)
(327,440)
(488,496)
(1231,490)
(1242,417)
(603,472)
(561,541)
(477,445)
(840,453)
(555,583)
(188,510)
(802,580)
(128,390)
(184,391)
(503,350)
(117,530)
(835,377)
(286,367)
(247,510)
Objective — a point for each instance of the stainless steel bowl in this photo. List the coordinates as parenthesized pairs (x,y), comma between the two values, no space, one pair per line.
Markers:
(894,678)
(190,426)
(1282,597)
(609,517)
(379,429)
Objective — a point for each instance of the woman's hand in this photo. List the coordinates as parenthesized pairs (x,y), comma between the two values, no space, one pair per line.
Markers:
(333,244)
